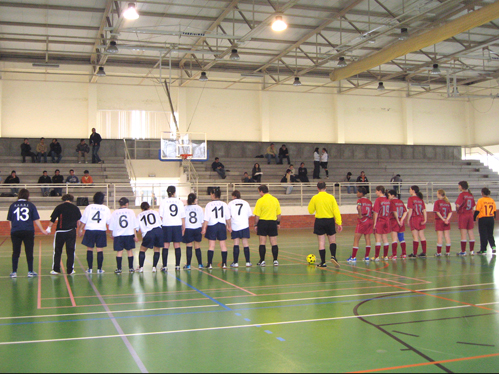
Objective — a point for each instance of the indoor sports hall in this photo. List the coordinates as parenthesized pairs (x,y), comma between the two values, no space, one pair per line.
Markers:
(138,105)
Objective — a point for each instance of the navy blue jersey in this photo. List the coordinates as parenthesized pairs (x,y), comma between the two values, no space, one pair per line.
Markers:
(22,213)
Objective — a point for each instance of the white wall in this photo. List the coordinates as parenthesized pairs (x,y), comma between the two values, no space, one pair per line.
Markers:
(486,118)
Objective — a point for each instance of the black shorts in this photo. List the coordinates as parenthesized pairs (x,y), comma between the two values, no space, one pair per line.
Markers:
(241,234)
(172,234)
(94,238)
(324,165)
(216,232)
(153,238)
(267,228)
(193,235)
(122,243)
(325,226)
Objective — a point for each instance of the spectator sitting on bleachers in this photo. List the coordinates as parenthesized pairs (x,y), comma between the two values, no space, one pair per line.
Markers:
(256,174)
(41,151)
(57,179)
(13,179)
(247,179)
(288,178)
(363,179)
(284,154)
(347,180)
(87,179)
(55,151)
(291,169)
(26,151)
(303,173)
(72,177)
(219,168)
(82,149)
(271,153)
(45,179)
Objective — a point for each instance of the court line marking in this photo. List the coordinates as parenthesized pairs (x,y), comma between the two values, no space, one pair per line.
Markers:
(118,328)
(3,241)
(232,327)
(429,363)
(477,344)
(39,300)
(70,291)
(224,281)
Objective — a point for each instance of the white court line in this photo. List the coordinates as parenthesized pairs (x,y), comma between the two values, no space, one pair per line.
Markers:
(231,327)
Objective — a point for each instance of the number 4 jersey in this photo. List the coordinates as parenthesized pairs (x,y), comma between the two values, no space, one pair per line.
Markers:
(123,223)
(22,213)
(96,217)
(194,217)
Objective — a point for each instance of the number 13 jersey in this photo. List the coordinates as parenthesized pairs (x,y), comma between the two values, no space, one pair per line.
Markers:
(172,211)
(216,212)
(194,217)
(96,217)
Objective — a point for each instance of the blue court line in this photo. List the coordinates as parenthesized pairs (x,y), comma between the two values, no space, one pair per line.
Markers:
(242,309)
(281,339)
(268,332)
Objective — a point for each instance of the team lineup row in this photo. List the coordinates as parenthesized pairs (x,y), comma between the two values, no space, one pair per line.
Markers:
(176,223)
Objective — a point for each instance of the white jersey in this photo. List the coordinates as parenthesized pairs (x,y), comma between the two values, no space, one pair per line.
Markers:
(96,217)
(240,212)
(194,217)
(148,220)
(317,157)
(324,157)
(172,211)
(123,223)
(216,212)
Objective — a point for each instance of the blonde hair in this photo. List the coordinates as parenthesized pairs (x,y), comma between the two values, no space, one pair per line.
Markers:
(442,193)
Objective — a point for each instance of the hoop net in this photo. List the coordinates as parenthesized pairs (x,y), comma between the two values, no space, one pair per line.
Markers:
(185,156)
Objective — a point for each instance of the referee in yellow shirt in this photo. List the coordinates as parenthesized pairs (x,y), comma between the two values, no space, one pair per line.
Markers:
(486,213)
(267,222)
(327,222)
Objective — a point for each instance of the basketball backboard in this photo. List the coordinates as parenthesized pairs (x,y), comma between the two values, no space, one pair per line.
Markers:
(173,145)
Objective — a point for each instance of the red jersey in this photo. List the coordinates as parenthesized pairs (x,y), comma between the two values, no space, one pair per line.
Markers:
(443,208)
(417,205)
(366,207)
(397,206)
(466,203)
(382,207)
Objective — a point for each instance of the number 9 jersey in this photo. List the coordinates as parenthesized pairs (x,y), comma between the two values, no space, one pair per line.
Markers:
(123,223)
(96,217)
(172,211)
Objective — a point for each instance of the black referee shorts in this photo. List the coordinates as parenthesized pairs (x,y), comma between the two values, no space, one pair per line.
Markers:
(267,228)
(325,226)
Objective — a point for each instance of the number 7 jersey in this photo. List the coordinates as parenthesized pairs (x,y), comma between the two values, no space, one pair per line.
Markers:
(96,217)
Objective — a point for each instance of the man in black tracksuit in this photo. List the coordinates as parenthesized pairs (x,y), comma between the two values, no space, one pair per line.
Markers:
(69,221)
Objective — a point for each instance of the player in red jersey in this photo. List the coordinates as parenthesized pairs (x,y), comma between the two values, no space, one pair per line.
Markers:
(398,214)
(364,224)
(382,222)
(443,214)
(417,219)
(465,205)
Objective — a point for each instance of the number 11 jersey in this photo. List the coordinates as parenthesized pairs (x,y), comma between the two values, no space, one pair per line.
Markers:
(216,212)
(96,217)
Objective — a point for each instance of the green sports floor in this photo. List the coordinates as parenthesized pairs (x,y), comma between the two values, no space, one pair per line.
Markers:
(433,315)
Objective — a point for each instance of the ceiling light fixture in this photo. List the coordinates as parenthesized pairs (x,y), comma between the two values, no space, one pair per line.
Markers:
(381,86)
(203,77)
(113,48)
(297,82)
(101,72)
(45,65)
(404,34)
(131,12)
(279,24)
(234,56)
(436,70)
(342,63)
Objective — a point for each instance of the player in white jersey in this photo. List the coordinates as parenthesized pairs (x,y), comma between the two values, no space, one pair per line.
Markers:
(240,212)
(172,213)
(194,218)
(152,235)
(94,220)
(124,226)
(216,224)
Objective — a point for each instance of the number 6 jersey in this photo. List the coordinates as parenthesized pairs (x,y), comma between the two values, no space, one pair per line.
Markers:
(123,223)
(96,217)
(194,217)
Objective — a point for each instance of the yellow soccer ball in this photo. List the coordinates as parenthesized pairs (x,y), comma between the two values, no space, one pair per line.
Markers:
(311,259)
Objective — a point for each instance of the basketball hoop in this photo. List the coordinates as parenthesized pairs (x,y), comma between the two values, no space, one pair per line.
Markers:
(185,156)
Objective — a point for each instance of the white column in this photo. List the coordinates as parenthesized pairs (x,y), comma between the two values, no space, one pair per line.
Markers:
(92,107)
(1,84)
(265,116)
(408,121)
(338,119)
(470,123)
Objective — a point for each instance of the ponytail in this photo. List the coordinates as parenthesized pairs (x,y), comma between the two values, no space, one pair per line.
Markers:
(418,193)
(444,195)
(191,199)
(217,192)
(171,191)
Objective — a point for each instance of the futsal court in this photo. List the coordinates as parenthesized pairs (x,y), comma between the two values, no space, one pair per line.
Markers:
(433,315)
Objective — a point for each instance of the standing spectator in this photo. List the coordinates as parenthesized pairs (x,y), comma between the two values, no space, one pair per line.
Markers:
(247,179)
(26,151)
(87,179)
(68,216)
(284,154)
(58,179)
(324,161)
(256,174)
(82,149)
(303,173)
(397,180)
(317,164)
(55,151)
(13,179)
(95,140)
(363,179)
(218,167)
(288,178)
(41,151)
(271,153)
(22,214)
(72,177)
(347,180)
(45,179)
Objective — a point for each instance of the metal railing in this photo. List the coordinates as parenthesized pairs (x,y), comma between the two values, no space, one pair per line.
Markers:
(477,152)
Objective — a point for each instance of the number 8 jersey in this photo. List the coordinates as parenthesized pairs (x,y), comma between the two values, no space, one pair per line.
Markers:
(194,217)
(96,217)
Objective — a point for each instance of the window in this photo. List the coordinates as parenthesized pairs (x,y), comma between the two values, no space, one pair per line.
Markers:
(134,124)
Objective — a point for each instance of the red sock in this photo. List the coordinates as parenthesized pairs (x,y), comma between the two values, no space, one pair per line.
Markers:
(423,246)
(394,249)
(377,250)
(472,245)
(354,253)
(368,251)
(415,247)
(386,248)
(439,249)
(403,245)
(463,246)
(448,249)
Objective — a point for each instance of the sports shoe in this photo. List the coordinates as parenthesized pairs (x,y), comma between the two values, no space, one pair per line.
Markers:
(447,254)
(234,265)
(89,271)
(404,257)
(261,264)
(54,273)
(224,266)
(412,256)
(462,254)
(177,268)
(117,271)
(493,251)
(200,266)
(276,263)
(249,264)
(385,258)
(141,270)
(209,267)
(394,258)
(187,267)
(131,271)
(376,259)
(367,259)
(422,255)
(72,273)
(438,255)
(472,253)
(352,259)
(100,271)
(323,265)
(32,274)
(164,270)
(335,261)
(13,275)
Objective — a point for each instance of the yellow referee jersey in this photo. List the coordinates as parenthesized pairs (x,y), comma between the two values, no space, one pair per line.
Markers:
(324,205)
(486,206)
(267,208)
